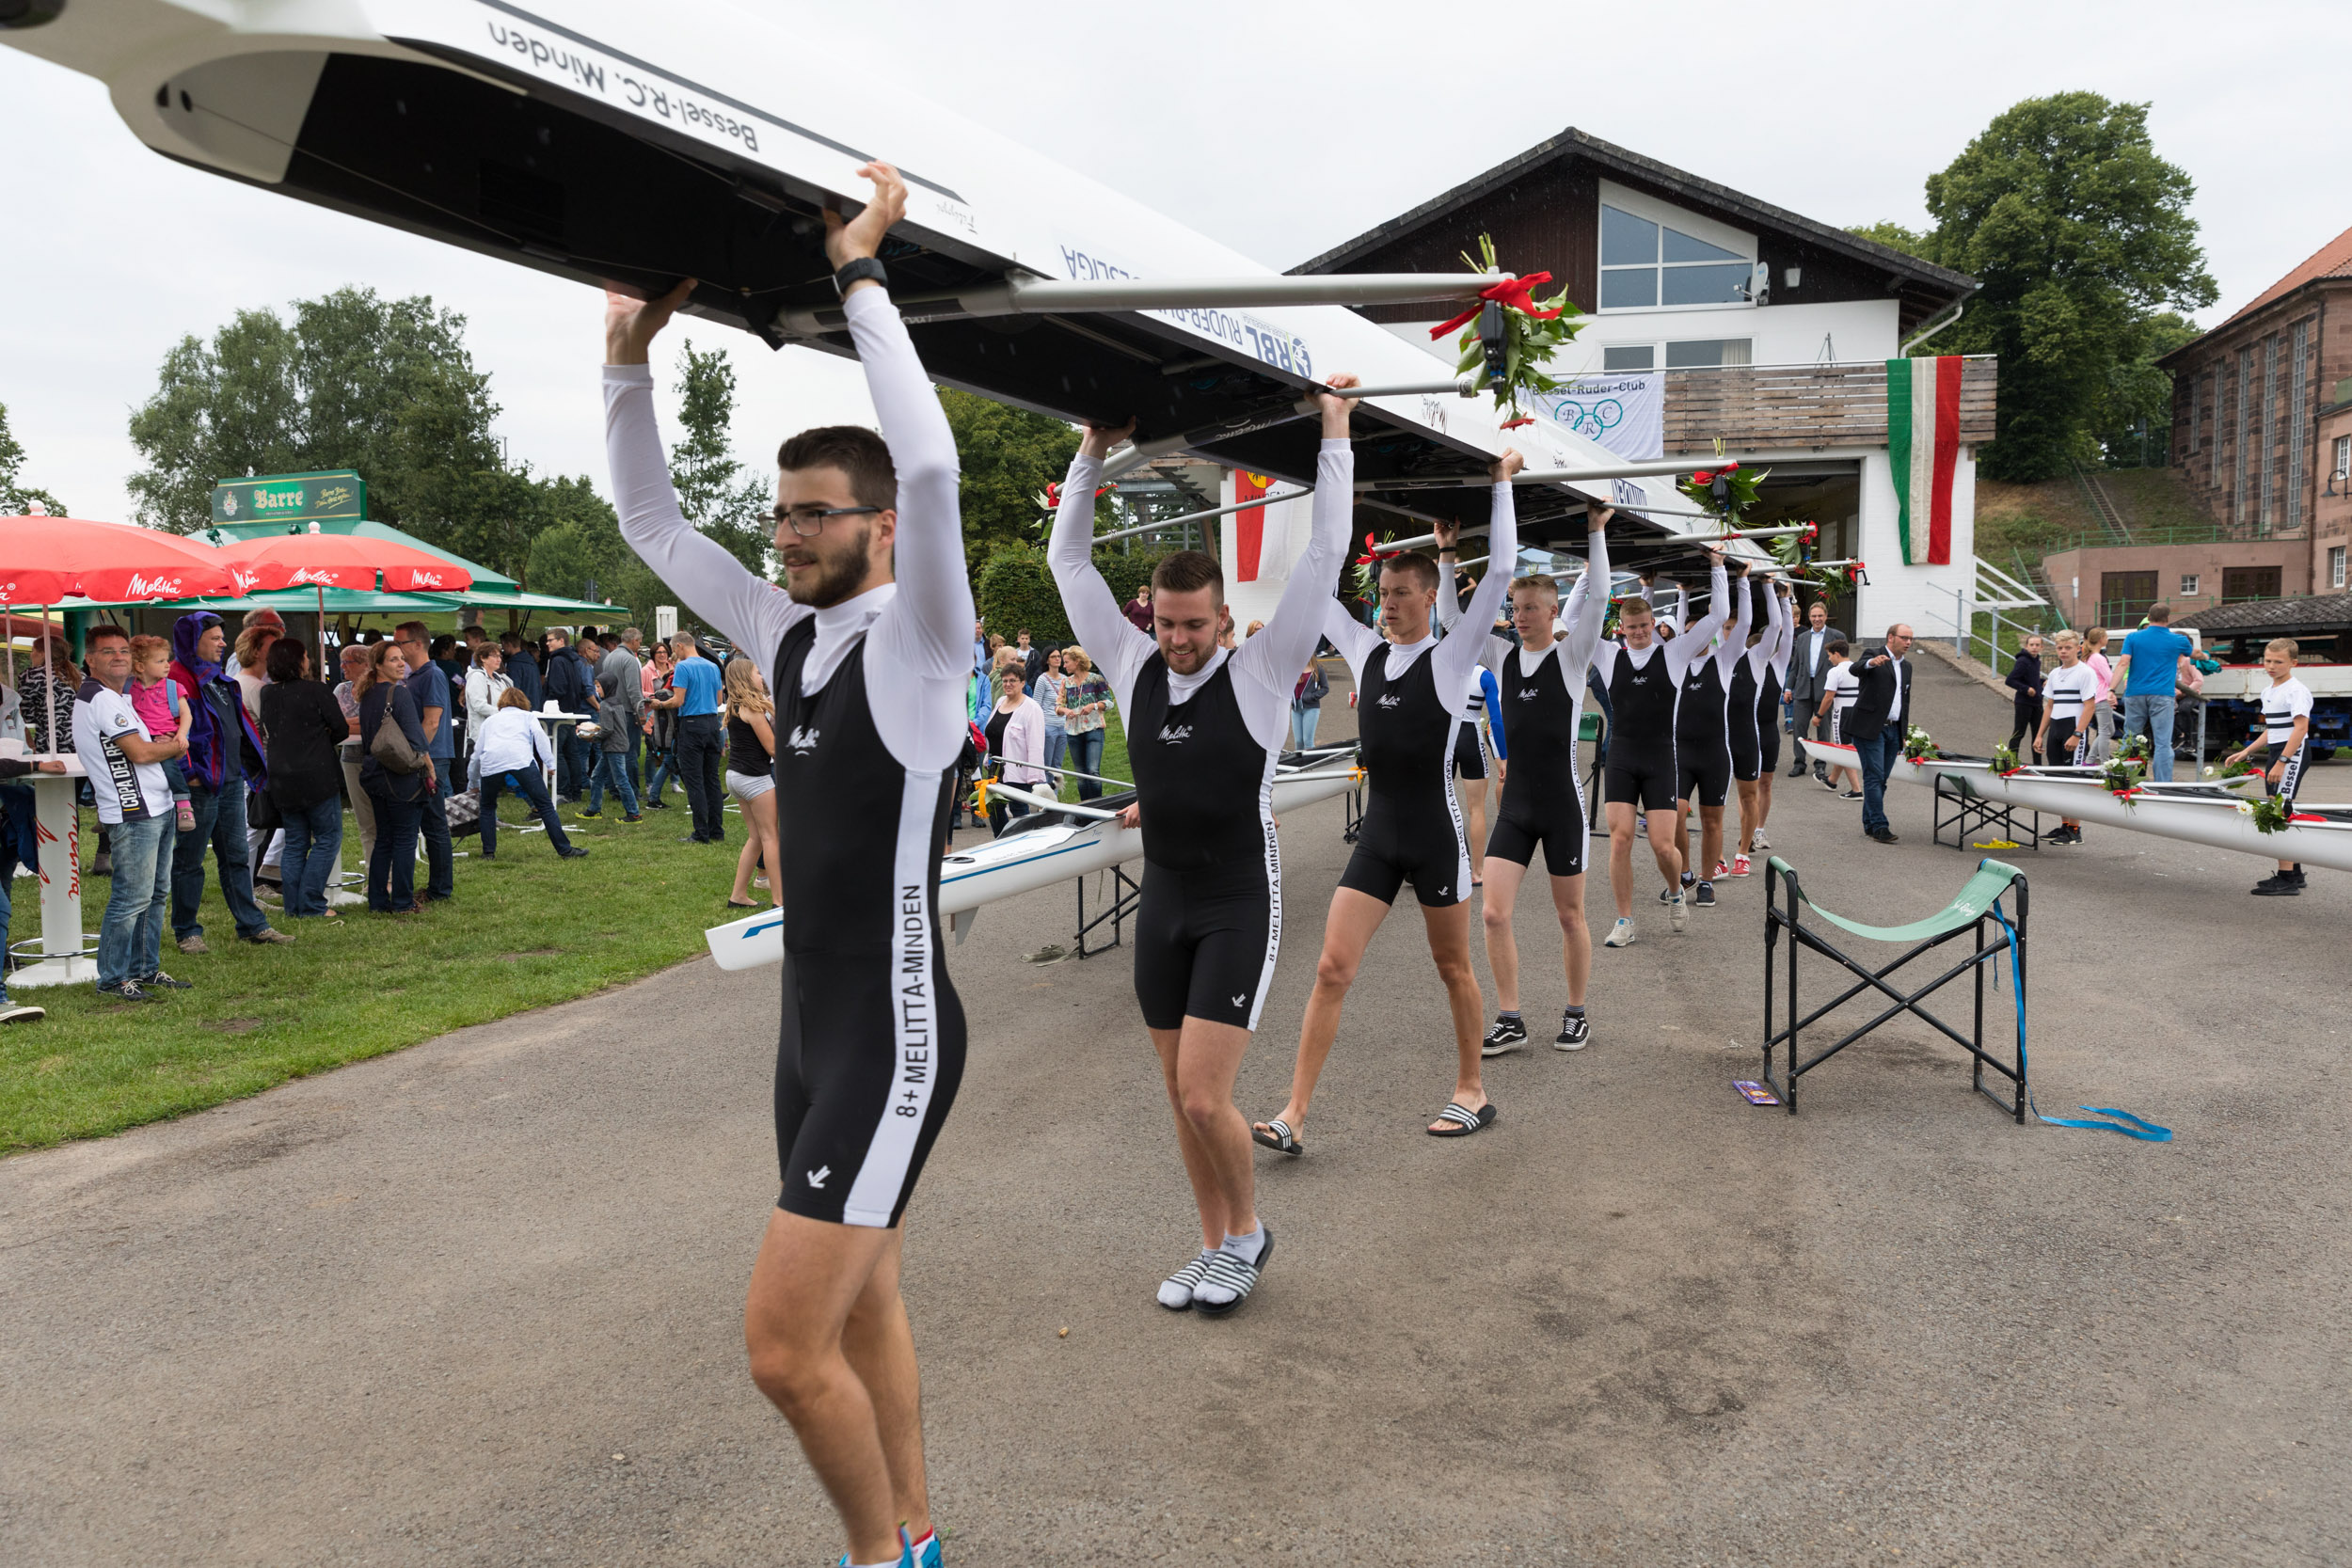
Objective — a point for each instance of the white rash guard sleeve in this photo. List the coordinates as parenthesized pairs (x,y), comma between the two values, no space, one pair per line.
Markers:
(1112,641)
(1587,608)
(1355,640)
(1688,647)
(1459,655)
(1273,659)
(918,633)
(1734,644)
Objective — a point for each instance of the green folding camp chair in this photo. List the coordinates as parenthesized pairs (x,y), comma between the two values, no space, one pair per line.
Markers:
(1977,908)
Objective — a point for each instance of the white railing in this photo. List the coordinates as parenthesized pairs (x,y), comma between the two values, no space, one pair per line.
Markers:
(1989,591)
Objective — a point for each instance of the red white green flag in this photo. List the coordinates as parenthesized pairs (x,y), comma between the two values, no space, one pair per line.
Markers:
(1923,439)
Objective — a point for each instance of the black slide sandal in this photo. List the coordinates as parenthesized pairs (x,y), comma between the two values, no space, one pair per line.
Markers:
(1233,1274)
(1276,1136)
(1461,1123)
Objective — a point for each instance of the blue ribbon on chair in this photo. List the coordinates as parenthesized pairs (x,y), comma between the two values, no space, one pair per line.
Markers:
(2147,1131)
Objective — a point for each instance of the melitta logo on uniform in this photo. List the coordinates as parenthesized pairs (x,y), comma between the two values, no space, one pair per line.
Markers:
(1175,735)
(1392,700)
(1528,693)
(803,741)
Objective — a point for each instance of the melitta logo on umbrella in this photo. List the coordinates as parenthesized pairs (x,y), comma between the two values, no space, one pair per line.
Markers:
(140,585)
(422,578)
(304,577)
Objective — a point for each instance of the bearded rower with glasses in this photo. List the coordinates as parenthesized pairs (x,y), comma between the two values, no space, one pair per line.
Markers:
(869,676)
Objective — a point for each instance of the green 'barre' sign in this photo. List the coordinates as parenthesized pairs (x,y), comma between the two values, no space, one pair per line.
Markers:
(290,497)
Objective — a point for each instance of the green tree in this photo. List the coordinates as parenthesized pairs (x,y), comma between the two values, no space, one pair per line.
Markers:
(2080,236)
(718,494)
(1008,455)
(16,496)
(353,381)
(1893,236)
(2133,423)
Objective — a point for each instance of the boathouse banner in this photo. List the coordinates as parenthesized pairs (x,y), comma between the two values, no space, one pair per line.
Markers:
(1923,440)
(1625,413)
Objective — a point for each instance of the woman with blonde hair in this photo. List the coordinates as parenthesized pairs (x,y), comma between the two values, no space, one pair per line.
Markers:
(1086,700)
(752,779)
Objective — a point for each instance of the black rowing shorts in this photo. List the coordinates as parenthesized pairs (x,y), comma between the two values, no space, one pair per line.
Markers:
(1205,943)
(2059,750)
(1703,781)
(1561,835)
(867,1061)
(1645,783)
(2289,777)
(1430,852)
(1767,744)
(1469,751)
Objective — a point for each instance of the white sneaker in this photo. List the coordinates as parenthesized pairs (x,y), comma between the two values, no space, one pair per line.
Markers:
(1758,841)
(1620,935)
(1678,913)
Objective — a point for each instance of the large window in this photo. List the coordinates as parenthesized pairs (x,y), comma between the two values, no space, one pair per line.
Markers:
(1647,264)
(2335,567)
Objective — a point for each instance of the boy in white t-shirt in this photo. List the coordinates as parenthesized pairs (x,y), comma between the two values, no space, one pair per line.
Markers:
(124,764)
(2286,727)
(1840,688)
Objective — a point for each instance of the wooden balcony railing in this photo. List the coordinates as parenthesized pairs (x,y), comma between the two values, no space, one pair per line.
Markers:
(1776,407)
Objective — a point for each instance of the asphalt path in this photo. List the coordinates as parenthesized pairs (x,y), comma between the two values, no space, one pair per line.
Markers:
(479,1301)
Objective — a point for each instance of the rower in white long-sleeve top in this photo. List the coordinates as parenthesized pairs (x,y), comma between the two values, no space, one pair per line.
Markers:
(1540,686)
(1409,710)
(1754,714)
(1205,725)
(867,663)
(1643,673)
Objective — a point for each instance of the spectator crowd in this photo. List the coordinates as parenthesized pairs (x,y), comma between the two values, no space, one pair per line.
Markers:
(232,761)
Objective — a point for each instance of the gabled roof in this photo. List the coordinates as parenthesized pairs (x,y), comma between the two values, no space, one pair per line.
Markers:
(1572,142)
(2332,260)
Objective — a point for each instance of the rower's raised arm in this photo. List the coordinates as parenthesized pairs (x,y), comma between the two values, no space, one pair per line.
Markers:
(1118,646)
(752,611)
(1588,601)
(1289,637)
(1458,654)
(928,625)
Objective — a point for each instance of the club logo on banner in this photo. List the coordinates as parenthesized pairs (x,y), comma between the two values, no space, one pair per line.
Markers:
(1624,413)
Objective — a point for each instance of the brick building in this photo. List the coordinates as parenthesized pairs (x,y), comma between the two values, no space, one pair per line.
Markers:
(2262,425)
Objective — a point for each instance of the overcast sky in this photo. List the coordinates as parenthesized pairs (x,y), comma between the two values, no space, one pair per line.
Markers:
(1276,128)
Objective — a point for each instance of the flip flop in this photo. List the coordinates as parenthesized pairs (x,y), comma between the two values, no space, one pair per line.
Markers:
(745,905)
(1276,1136)
(1461,1123)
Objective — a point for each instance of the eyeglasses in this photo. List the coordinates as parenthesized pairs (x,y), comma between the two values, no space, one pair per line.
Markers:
(809,521)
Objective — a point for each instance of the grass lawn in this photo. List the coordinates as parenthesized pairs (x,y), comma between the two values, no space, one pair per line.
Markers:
(525,930)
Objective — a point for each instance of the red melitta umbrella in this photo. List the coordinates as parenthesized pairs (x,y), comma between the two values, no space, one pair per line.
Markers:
(343,561)
(46,559)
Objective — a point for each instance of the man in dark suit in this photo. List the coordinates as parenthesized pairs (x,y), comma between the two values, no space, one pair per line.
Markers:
(1882,713)
(1808,667)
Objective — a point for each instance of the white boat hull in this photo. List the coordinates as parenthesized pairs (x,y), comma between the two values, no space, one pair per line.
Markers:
(2213,820)
(1001,869)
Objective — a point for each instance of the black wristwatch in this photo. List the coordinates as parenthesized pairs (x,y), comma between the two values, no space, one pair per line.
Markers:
(858,270)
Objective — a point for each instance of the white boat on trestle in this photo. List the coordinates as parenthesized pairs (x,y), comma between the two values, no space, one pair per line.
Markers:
(1055,845)
(2200,812)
